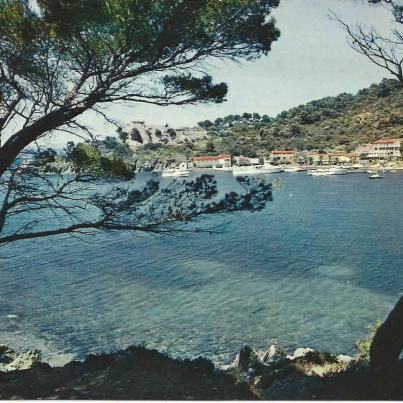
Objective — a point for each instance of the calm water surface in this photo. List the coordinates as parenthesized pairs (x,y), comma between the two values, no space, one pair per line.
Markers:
(319,264)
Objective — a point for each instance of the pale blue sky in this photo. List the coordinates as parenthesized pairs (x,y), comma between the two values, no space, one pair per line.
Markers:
(311,60)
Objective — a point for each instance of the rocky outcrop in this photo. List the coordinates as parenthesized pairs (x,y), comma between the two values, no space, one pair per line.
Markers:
(388,340)
(138,133)
(10,360)
(269,371)
(138,374)
(132,374)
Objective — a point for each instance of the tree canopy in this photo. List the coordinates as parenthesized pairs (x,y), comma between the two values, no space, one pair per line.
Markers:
(62,58)
(385,51)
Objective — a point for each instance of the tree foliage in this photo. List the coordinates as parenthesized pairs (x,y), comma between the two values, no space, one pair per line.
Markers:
(384,51)
(70,56)
(60,59)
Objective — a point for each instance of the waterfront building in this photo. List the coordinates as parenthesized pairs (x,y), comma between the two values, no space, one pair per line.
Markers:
(381,149)
(185,165)
(315,158)
(222,160)
(241,160)
(283,157)
(354,157)
(339,158)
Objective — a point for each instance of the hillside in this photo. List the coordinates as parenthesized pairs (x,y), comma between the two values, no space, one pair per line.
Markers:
(342,122)
(338,123)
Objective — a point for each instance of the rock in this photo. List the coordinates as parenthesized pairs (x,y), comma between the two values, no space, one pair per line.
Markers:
(247,365)
(272,354)
(27,360)
(11,360)
(344,359)
(247,359)
(388,340)
(300,352)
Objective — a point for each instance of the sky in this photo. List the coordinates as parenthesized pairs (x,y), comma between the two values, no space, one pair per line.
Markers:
(311,60)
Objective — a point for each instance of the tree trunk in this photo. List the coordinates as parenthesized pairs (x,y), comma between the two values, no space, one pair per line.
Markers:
(24,137)
(388,340)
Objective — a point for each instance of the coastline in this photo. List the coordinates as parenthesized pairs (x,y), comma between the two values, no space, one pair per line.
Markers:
(140,373)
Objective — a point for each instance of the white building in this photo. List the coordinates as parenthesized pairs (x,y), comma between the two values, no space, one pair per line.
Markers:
(381,149)
(283,156)
(241,160)
(222,160)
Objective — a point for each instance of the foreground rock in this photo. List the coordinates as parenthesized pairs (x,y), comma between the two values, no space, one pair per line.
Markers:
(271,373)
(307,374)
(10,360)
(133,374)
(138,374)
(388,340)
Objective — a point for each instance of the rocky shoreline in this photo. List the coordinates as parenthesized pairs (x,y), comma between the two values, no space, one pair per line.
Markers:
(139,373)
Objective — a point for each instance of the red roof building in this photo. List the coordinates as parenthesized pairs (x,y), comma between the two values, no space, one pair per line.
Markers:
(207,161)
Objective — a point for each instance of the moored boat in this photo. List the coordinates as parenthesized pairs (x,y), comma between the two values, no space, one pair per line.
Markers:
(375,176)
(326,171)
(256,170)
(293,168)
(174,172)
(225,169)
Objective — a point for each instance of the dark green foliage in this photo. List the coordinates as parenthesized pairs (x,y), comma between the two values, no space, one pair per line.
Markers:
(206,124)
(195,88)
(83,155)
(44,157)
(342,122)
(115,167)
(152,146)
(87,157)
(111,145)
(210,148)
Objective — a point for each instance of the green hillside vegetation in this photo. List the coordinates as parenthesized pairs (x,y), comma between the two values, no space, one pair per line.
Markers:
(96,159)
(333,123)
(338,123)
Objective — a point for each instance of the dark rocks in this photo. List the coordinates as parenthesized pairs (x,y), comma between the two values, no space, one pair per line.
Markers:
(132,374)
(274,372)
(248,360)
(388,340)
(273,354)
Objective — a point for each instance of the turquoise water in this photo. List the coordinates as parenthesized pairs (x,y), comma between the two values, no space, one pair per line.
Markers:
(319,264)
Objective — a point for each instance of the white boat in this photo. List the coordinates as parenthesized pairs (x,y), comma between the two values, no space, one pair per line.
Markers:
(225,169)
(293,168)
(256,170)
(355,169)
(174,173)
(375,176)
(272,169)
(326,171)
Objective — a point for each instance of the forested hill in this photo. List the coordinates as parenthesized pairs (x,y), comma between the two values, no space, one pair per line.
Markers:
(340,122)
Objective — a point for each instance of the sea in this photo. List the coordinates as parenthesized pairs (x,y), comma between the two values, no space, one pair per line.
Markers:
(319,264)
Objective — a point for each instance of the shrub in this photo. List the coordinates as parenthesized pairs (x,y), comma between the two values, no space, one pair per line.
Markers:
(363,345)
